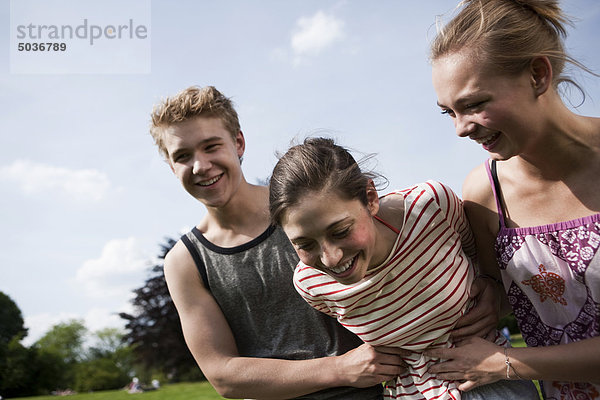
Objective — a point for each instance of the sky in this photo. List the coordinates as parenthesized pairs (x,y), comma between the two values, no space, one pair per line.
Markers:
(86,198)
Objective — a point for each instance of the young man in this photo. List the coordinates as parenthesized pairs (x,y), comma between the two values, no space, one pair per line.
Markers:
(231,276)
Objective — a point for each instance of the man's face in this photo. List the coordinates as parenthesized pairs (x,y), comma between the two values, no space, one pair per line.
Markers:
(206,159)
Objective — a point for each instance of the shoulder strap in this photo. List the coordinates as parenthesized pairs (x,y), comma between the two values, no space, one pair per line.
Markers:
(493,177)
(387,224)
(197,259)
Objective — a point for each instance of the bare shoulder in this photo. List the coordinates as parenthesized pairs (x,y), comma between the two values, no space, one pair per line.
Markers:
(180,269)
(391,209)
(177,258)
(480,204)
(477,188)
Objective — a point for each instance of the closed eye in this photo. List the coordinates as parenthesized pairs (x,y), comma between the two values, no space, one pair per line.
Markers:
(212,147)
(474,105)
(304,245)
(342,233)
(181,157)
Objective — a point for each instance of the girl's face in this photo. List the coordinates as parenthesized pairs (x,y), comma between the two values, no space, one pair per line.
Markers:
(497,111)
(335,235)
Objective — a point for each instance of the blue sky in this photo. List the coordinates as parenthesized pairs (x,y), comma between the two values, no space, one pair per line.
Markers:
(86,199)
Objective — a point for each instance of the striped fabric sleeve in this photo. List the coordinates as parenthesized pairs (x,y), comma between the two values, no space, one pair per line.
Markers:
(452,206)
(302,275)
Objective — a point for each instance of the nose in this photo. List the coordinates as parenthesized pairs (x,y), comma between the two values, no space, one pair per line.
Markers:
(464,126)
(201,165)
(331,255)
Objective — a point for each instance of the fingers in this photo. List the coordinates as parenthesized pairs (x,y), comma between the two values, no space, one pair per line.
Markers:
(468,385)
(391,357)
(393,350)
(441,353)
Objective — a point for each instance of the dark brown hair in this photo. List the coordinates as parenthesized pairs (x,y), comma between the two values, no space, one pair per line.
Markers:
(317,164)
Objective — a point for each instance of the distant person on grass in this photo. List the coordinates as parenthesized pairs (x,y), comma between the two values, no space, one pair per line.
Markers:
(231,276)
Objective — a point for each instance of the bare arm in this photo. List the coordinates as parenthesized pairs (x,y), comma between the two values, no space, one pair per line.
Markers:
(211,342)
(480,362)
(482,319)
(480,209)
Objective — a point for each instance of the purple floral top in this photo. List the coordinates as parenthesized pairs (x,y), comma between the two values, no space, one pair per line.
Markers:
(551,274)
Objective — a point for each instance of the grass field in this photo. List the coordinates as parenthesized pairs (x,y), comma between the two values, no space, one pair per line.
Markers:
(177,391)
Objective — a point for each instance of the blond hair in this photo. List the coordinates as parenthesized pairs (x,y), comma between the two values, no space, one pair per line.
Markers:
(508,34)
(191,103)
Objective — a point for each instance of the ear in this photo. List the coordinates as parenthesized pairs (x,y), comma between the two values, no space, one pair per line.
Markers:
(372,198)
(541,75)
(240,144)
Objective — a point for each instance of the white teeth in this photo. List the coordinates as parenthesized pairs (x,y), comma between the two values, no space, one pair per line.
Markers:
(487,139)
(210,181)
(344,267)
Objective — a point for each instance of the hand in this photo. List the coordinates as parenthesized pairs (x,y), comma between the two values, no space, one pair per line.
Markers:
(366,365)
(475,361)
(482,319)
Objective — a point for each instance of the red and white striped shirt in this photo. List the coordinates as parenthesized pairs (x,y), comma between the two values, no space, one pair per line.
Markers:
(415,297)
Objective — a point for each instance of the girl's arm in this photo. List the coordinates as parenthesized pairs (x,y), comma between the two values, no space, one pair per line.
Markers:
(480,362)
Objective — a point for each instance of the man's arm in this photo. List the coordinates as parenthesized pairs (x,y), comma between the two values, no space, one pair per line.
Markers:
(211,342)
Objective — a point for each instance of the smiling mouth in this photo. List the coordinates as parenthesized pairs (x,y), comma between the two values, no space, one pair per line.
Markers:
(210,181)
(487,141)
(340,269)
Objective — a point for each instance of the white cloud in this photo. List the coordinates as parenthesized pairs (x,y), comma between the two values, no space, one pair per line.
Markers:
(37,325)
(95,319)
(316,33)
(121,267)
(34,178)
(100,318)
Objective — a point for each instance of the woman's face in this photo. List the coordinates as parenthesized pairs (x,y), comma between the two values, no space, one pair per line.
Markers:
(335,235)
(497,111)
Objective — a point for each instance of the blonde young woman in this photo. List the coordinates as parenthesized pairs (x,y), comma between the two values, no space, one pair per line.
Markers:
(535,205)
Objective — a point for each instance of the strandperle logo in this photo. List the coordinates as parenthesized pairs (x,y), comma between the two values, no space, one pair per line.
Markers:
(86,31)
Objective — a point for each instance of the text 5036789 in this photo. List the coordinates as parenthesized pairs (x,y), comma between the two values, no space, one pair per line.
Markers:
(37,46)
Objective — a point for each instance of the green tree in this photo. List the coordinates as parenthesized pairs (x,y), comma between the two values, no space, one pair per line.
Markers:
(11,320)
(15,359)
(154,331)
(63,343)
(18,365)
(66,340)
(108,362)
(99,374)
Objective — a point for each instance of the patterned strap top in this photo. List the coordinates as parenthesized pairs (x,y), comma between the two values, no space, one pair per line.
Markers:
(551,274)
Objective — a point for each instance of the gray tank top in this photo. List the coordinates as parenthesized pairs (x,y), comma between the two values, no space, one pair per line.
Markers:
(252,284)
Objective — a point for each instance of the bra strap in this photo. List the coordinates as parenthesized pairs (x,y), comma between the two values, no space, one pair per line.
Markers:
(387,224)
(493,177)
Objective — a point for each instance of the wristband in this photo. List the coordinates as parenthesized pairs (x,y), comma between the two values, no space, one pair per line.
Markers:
(509,366)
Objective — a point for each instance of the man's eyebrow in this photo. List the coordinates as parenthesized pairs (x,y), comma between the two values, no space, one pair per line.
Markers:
(203,142)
